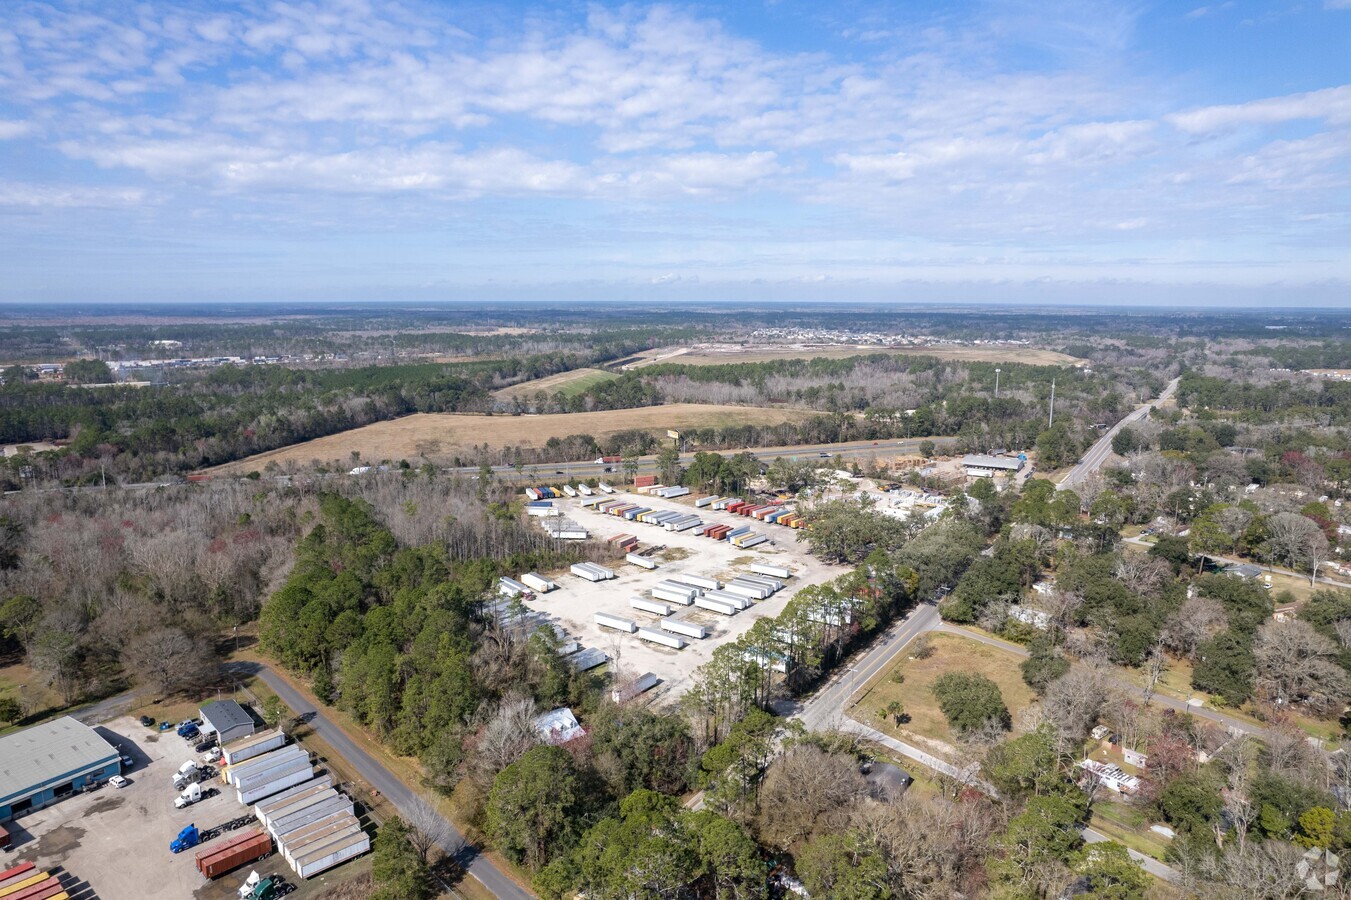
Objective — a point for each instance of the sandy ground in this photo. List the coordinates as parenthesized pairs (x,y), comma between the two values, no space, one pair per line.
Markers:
(718,355)
(114,844)
(576,602)
(443,435)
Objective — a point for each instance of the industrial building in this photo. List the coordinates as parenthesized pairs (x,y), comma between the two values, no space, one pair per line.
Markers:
(227,720)
(44,763)
(978,465)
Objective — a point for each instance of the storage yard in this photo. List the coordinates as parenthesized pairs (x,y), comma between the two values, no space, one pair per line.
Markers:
(106,843)
(697,573)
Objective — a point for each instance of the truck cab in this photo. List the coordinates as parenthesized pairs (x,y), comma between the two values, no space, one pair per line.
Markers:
(191,795)
(186,840)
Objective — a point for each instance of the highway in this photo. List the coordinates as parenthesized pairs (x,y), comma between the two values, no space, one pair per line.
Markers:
(1096,455)
(385,781)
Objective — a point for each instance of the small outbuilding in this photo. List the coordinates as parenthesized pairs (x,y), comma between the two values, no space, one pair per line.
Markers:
(227,720)
(47,762)
(979,465)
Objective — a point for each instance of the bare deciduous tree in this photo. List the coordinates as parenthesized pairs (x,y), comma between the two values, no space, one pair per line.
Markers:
(1197,620)
(427,828)
(807,792)
(1297,541)
(1296,664)
(1143,574)
(507,734)
(170,658)
(1074,701)
(1155,663)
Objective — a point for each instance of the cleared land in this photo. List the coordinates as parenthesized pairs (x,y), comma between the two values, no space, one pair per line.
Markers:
(715,355)
(951,653)
(567,383)
(440,435)
(574,605)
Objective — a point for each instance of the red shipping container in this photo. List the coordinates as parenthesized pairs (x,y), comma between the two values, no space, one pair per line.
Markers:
(245,849)
(644,480)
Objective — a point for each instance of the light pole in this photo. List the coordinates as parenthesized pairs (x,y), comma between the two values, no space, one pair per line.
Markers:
(996,384)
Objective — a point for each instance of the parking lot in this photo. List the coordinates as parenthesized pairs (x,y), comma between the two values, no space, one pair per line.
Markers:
(114,843)
(575,603)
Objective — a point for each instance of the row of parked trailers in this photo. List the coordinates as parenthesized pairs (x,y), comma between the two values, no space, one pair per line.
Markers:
(591,571)
(544,492)
(661,490)
(530,581)
(269,773)
(670,520)
(774,513)
(27,882)
(315,826)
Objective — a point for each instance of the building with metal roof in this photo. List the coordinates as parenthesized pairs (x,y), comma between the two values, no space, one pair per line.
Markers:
(979,465)
(227,720)
(44,763)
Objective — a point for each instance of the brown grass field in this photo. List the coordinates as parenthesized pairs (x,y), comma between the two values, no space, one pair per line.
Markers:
(713,356)
(952,653)
(440,435)
(567,382)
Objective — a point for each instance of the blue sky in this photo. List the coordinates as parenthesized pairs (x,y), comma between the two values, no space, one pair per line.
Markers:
(1006,151)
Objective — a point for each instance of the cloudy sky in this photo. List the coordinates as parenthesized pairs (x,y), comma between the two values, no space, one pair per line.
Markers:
(1010,150)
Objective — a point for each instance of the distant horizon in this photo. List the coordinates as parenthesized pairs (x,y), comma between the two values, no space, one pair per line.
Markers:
(1004,152)
(202,307)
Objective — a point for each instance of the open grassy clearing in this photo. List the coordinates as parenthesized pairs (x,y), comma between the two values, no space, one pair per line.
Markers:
(569,384)
(444,435)
(951,653)
(716,355)
(1127,825)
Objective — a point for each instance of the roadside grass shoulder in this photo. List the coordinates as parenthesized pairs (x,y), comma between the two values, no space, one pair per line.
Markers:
(951,653)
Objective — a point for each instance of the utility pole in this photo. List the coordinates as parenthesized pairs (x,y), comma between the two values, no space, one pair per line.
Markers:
(1051,421)
(996,384)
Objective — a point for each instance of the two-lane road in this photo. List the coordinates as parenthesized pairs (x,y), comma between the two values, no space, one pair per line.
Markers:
(384,781)
(829,708)
(1096,455)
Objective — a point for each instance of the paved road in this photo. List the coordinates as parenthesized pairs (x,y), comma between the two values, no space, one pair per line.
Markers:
(1096,455)
(1234,561)
(826,709)
(383,780)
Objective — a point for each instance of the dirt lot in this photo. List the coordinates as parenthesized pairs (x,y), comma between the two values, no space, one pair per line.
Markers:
(442,435)
(569,383)
(114,844)
(576,602)
(718,355)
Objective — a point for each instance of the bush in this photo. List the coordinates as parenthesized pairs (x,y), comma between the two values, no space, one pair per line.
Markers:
(969,701)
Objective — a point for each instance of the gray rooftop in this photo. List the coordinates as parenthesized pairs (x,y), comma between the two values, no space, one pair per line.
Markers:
(45,753)
(980,460)
(222,715)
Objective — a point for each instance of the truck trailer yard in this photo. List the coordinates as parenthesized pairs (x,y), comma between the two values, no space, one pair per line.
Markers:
(692,560)
(114,843)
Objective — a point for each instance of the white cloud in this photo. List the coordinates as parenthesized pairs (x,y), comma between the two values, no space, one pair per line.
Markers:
(50,197)
(657,115)
(1331,104)
(10,130)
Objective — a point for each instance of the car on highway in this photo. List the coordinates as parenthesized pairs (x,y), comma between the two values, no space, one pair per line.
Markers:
(824,455)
